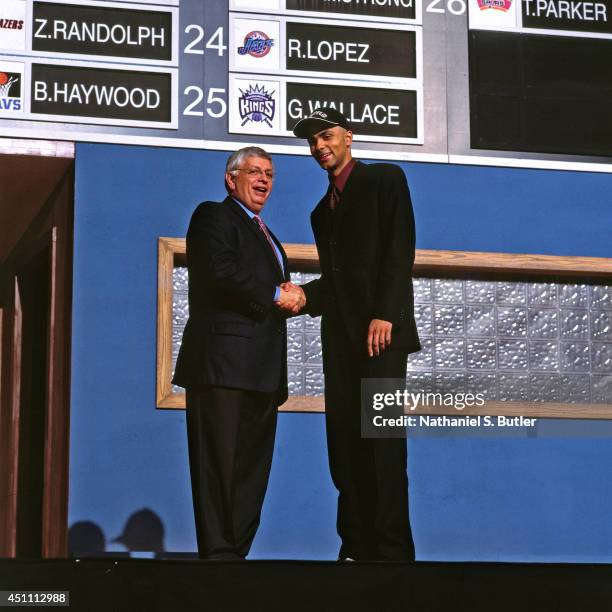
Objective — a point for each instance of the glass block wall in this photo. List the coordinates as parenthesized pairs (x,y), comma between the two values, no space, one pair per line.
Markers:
(511,341)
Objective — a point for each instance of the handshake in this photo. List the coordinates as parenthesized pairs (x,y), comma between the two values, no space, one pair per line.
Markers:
(291,298)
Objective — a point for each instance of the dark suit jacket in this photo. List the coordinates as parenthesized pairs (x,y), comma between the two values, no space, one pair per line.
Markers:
(366,255)
(234,336)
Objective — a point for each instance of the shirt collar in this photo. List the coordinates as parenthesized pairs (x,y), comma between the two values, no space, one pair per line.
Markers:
(340,180)
(246,210)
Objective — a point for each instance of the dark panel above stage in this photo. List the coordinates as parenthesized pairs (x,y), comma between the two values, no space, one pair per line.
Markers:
(539,93)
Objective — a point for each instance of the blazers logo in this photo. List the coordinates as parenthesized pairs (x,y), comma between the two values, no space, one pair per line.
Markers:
(256,44)
(498,5)
(11,24)
(10,91)
(256,105)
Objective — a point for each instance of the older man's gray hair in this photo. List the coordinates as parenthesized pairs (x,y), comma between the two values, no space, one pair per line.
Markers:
(237,159)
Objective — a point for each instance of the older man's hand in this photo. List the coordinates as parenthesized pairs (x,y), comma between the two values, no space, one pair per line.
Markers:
(291,299)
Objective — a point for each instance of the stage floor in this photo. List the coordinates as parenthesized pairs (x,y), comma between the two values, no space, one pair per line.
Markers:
(125,584)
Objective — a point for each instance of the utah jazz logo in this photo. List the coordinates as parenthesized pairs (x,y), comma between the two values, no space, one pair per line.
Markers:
(256,44)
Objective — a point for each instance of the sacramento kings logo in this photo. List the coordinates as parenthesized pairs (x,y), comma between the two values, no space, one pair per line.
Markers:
(256,44)
(257,105)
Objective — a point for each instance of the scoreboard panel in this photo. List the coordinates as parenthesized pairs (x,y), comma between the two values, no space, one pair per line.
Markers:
(502,82)
(540,93)
(102,30)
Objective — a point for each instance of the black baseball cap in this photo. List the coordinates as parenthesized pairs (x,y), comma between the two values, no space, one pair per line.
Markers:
(319,120)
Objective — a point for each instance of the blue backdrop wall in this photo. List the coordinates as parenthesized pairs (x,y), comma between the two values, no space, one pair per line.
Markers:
(516,499)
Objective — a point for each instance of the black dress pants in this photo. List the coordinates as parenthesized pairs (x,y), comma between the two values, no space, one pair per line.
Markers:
(370,474)
(230,433)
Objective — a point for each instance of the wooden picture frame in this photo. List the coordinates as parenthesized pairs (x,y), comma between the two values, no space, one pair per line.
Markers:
(440,264)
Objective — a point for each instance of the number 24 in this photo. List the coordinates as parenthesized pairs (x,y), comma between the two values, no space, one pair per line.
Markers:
(214,42)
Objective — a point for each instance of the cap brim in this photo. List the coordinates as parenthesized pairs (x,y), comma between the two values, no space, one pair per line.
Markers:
(311,125)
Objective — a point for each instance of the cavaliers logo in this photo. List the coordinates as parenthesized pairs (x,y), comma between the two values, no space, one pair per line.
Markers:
(10,91)
(256,44)
(498,5)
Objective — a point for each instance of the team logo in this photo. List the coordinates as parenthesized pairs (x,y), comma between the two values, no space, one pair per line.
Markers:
(10,91)
(11,24)
(498,5)
(319,113)
(256,44)
(256,105)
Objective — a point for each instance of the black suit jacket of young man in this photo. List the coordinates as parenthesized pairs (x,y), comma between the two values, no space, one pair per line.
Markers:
(234,337)
(366,253)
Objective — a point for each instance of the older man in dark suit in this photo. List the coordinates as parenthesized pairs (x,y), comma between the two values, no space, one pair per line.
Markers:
(364,232)
(233,356)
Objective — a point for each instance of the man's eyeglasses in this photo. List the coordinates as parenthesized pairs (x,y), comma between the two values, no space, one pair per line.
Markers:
(257,173)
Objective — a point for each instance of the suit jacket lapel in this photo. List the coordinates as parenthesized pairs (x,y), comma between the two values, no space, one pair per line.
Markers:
(287,276)
(351,188)
(259,235)
(318,215)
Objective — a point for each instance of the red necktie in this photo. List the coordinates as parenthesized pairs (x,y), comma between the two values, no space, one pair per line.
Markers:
(334,197)
(264,229)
